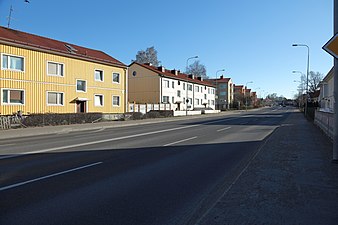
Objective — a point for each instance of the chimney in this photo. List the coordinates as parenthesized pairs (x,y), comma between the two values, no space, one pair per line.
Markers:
(161,68)
(148,64)
(200,78)
(174,72)
(191,76)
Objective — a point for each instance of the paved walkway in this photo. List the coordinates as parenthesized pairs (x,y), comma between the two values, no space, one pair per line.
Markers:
(291,181)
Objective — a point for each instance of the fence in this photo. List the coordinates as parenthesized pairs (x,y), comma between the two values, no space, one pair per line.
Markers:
(144,108)
(7,122)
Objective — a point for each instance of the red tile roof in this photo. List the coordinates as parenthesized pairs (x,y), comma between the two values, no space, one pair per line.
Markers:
(179,76)
(10,36)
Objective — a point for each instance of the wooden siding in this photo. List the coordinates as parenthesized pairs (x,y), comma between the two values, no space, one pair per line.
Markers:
(36,83)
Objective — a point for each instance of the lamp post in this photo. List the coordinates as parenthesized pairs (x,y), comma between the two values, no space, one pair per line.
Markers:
(307,73)
(186,88)
(216,92)
(246,96)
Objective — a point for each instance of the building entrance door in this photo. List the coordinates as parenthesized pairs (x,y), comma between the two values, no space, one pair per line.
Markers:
(80,106)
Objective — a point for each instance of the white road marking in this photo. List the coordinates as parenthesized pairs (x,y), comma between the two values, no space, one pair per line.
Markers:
(226,128)
(176,142)
(48,176)
(109,140)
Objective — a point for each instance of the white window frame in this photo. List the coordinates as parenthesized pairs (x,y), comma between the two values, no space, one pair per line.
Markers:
(85,86)
(56,75)
(57,104)
(113,78)
(8,62)
(99,80)
(179,93)
(189,87)
(9,96)
(167,97)
(173,84)
(95,103)
(166,83)
(113,101)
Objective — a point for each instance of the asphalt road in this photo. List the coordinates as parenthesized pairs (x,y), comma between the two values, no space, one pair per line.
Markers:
(164,173)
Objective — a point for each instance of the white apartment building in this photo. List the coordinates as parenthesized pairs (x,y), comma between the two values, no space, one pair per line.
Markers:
(152,85)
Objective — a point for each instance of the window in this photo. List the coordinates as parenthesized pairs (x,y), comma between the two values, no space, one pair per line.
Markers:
(165,99)
(173,84)
(178,93)
(189,87)
(205,96)
(98,100)
(81,85)
(197,88)
(223,93)
(183,86)
(116,100)
(222,86)
(116,78)
(172,99)
(197,101)
(189,100)
(166,83)
(10,62)
(13,96)
(54,98)
(208,90)
(55,69)
(98,75)
(212,102)
(184,101)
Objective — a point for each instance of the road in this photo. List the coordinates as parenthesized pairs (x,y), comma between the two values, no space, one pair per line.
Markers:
(163,173)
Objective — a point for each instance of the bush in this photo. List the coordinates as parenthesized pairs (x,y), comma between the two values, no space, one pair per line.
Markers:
(136,116)
(153,114)
(53,119)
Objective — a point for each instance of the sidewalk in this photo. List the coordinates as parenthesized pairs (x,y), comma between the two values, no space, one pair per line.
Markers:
(291,181)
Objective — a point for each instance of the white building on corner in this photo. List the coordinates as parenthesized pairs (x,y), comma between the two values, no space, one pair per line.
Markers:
(153,85)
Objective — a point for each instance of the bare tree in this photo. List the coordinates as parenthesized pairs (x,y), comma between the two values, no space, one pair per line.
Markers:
(197,69)
(148,56)
(314,79)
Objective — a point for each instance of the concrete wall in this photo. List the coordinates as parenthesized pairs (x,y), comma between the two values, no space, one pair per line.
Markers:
(324,120)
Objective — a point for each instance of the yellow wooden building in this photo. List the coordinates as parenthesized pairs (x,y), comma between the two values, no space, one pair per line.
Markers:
(42,75)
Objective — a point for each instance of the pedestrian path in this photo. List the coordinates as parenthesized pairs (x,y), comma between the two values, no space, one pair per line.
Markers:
(290,181)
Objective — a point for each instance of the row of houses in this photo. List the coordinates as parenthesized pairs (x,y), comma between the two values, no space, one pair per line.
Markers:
(43,75)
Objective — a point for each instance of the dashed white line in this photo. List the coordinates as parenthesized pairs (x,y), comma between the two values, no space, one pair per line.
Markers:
(226,128)
(48,176)
(176,142)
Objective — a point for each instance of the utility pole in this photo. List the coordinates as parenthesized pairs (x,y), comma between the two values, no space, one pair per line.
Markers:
(10,16)
(335,90)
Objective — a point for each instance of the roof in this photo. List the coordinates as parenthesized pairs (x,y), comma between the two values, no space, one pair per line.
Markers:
(170,74)
(26,40)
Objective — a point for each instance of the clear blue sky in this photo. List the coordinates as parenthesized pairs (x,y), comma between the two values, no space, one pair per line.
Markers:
(251,40)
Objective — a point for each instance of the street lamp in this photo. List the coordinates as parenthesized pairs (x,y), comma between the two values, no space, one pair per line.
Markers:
(307,73)
(186,70)
(246,96)
(216,92)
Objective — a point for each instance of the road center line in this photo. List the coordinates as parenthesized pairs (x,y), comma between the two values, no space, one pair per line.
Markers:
(48,176)
(176,142)
(226,128)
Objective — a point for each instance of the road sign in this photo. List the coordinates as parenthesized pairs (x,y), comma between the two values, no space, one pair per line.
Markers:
(332,46)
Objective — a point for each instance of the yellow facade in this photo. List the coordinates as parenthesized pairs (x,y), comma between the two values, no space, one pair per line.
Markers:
(143,85)
(36,83)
